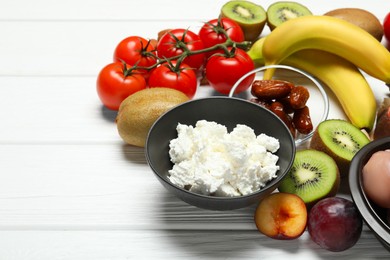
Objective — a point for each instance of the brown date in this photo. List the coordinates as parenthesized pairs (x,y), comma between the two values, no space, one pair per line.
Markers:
(277,108)
(271,89)
(261,102)
(302,120)
(298,97)
(286,104)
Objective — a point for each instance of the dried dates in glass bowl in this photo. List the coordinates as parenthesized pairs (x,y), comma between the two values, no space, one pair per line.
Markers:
(296,97)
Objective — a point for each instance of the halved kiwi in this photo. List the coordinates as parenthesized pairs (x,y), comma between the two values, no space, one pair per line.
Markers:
(279,12)
(250,16)
(314,175)
(339,139)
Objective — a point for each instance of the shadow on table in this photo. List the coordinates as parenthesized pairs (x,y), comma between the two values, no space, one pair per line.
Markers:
(107,114)
(233,234)
(217,234)
(134,154)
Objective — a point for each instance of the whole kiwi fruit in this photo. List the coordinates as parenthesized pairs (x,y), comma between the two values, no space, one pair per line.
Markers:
(138,112)
(361,18)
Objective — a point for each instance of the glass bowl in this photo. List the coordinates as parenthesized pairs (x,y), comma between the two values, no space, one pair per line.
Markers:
(318,102)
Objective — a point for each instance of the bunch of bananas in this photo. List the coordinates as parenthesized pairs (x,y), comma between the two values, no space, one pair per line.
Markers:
(334,51)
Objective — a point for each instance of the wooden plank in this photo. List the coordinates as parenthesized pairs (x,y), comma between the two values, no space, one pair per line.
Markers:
(147,9)
(67,48)
(95,187)
(69,187)
(57,110)
(171,244)
(103,187)
(34,34)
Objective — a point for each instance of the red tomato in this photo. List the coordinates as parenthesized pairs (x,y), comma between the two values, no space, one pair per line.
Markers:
(176,41)
(135,50)
(212,32)
(386,27)
(113,86)
(223,72)
(183,79)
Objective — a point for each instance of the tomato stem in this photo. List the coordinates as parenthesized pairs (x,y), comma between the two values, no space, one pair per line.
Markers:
(219,28)
(187,52)
(129,71)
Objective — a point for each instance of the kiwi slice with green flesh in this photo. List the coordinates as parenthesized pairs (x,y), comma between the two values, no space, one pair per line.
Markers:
(339,139)
(281,11)
(250,16)
(314,175)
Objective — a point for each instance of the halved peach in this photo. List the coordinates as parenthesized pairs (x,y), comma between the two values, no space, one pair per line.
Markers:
(281,216)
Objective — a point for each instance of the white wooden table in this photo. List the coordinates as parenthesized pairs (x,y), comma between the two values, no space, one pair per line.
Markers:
(69,187)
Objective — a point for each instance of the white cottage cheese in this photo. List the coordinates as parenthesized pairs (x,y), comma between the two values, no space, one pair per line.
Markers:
(209,160)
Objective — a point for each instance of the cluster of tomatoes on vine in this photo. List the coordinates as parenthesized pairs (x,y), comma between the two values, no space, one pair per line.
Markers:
(178,59)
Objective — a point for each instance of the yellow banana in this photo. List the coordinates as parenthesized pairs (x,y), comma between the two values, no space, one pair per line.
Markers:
(256,53)
(329,34)
(341,76)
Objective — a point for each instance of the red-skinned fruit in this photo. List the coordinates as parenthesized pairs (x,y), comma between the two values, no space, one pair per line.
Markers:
(171,75)
(223,70)
(178,41)
(135,50)
(335,224)
(281,216)
(386,27)
(216,31)
(116,82)
(382,127)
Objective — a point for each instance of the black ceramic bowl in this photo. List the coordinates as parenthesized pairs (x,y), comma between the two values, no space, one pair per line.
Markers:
(229,112)
(374,216)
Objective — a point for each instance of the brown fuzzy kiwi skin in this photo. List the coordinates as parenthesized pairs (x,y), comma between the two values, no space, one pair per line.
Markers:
(360,17)
(138,112)
(271,26)
(317,144)
(252,32)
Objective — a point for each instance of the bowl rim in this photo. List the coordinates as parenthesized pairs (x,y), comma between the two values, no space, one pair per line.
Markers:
(324,95)
(221,198)
(373,220)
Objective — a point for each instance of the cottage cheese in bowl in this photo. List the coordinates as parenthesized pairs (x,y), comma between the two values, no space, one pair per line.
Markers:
(211,161)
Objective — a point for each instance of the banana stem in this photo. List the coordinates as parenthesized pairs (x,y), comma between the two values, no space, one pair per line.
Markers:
(269,73)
